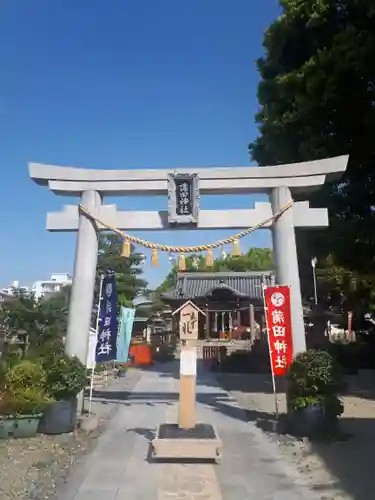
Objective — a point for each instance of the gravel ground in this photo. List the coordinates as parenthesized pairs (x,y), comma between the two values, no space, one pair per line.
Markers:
(28,467)
(337,470)
(37,468)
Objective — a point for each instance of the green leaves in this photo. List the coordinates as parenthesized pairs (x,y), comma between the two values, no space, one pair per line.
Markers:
(27,401)
(317,97)
(65,376)
(314,378)
(128,271)
(25,374)
(25,391)
(43,321)
(255,259)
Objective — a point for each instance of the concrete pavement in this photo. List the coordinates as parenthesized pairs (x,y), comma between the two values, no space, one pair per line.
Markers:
(119,469)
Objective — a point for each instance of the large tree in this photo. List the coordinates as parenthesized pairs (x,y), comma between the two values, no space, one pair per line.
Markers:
(317,98)
(128,270)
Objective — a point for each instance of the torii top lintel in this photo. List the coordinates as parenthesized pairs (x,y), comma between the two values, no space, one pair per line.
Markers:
(301,177)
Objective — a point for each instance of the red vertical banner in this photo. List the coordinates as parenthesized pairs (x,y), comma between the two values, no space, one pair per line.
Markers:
(279,326)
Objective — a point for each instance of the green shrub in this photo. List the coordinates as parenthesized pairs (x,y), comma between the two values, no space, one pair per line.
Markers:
(315,378)
(25,374)
(3,372)
(66,376)
(49,348)
(5,406)
(23,390)
(27,401)
(7,361)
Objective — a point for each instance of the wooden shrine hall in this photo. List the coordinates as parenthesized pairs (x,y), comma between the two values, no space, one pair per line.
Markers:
(232,301)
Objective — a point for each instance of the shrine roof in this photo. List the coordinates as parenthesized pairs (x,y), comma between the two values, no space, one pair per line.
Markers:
(200,285)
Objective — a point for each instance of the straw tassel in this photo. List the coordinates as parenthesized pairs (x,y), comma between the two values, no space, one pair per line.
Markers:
(125,252)
(154,257)
(209,258)
(181,263)
(236,250)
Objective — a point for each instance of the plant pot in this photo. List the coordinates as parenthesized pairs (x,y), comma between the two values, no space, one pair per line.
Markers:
(59,417)
(121,374)
(26,426)
(311,420)
(6,427)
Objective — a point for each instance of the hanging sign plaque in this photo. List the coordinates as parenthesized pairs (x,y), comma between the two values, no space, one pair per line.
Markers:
(183,198)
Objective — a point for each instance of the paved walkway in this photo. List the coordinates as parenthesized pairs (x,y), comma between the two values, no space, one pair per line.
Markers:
(119,469)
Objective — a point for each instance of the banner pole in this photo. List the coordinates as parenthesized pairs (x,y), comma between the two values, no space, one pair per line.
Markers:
(270,355)
(96,333)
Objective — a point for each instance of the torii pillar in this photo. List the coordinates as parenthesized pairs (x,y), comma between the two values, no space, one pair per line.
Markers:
(286,260)
(83,286)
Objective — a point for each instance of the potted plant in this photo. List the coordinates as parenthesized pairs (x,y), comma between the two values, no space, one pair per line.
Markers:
(314,382)
(27,406)
(23,399)
(121,370)
(65,379)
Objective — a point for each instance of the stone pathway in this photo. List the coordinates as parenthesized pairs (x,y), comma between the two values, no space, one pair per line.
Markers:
(118,469)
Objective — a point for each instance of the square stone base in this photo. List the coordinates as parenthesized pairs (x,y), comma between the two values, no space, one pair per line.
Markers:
(199,443)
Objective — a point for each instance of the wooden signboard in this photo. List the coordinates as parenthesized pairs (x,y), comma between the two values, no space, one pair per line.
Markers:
(188,327)
(189,322)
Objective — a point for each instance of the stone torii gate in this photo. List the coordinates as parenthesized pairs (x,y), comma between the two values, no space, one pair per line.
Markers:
(279,182)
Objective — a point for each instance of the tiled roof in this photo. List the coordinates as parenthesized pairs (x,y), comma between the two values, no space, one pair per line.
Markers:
(244,284)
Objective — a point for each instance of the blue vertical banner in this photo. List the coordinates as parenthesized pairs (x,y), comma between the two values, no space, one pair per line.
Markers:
(125,334)
(106,345)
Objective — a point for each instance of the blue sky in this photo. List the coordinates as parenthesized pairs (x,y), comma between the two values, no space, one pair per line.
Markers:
(121,84)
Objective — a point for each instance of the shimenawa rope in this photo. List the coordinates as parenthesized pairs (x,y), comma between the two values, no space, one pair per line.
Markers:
(186,249)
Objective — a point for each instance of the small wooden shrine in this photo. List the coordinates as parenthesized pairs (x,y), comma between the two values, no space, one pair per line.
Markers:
(232,301)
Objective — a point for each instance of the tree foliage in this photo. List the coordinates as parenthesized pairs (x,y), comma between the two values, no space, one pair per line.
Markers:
(44,321)
(128,271)
(346,287)
(255,259)
(317,99)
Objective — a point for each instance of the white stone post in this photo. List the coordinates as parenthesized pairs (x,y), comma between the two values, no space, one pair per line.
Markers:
(82,296)
(285,255)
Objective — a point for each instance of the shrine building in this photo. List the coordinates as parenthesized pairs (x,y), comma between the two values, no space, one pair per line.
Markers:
(232,301)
